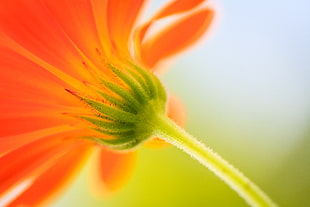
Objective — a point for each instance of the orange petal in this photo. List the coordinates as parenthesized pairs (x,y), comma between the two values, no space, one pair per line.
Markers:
(54,178)
(176,7)
(121,16)
(173,8)
(76,19)
(23,79)
(31,98)
(10,143)
(13,126)
(111,170)
(176,112)
(176,37)
(32,26)
(99,8)
(30,159)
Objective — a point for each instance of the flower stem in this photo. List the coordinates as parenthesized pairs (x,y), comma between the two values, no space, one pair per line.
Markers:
(170,132)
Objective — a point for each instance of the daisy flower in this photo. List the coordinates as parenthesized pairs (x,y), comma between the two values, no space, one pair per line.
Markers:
(78,78)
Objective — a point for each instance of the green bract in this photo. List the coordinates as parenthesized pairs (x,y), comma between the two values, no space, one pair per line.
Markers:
(127,117)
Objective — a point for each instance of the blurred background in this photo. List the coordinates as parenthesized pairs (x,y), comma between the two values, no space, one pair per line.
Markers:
(246,89)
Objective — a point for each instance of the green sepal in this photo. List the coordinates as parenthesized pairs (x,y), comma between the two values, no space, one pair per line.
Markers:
(124,143)
(115,134)
(133,84)
(121,104)
(113,112)
(123,93)
(148,77)
(142,82)
(112,126)
(160,90)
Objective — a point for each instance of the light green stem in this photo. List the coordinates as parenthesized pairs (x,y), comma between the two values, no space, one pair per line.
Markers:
(170,132)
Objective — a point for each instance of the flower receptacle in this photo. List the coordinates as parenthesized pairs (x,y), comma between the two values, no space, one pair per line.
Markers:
(125,118)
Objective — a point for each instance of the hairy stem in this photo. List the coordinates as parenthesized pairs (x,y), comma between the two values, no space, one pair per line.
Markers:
(170,132)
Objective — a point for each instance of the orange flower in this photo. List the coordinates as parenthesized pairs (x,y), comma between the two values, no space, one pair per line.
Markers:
(47,46)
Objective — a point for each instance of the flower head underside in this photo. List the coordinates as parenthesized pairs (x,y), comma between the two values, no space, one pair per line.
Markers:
(78,78)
